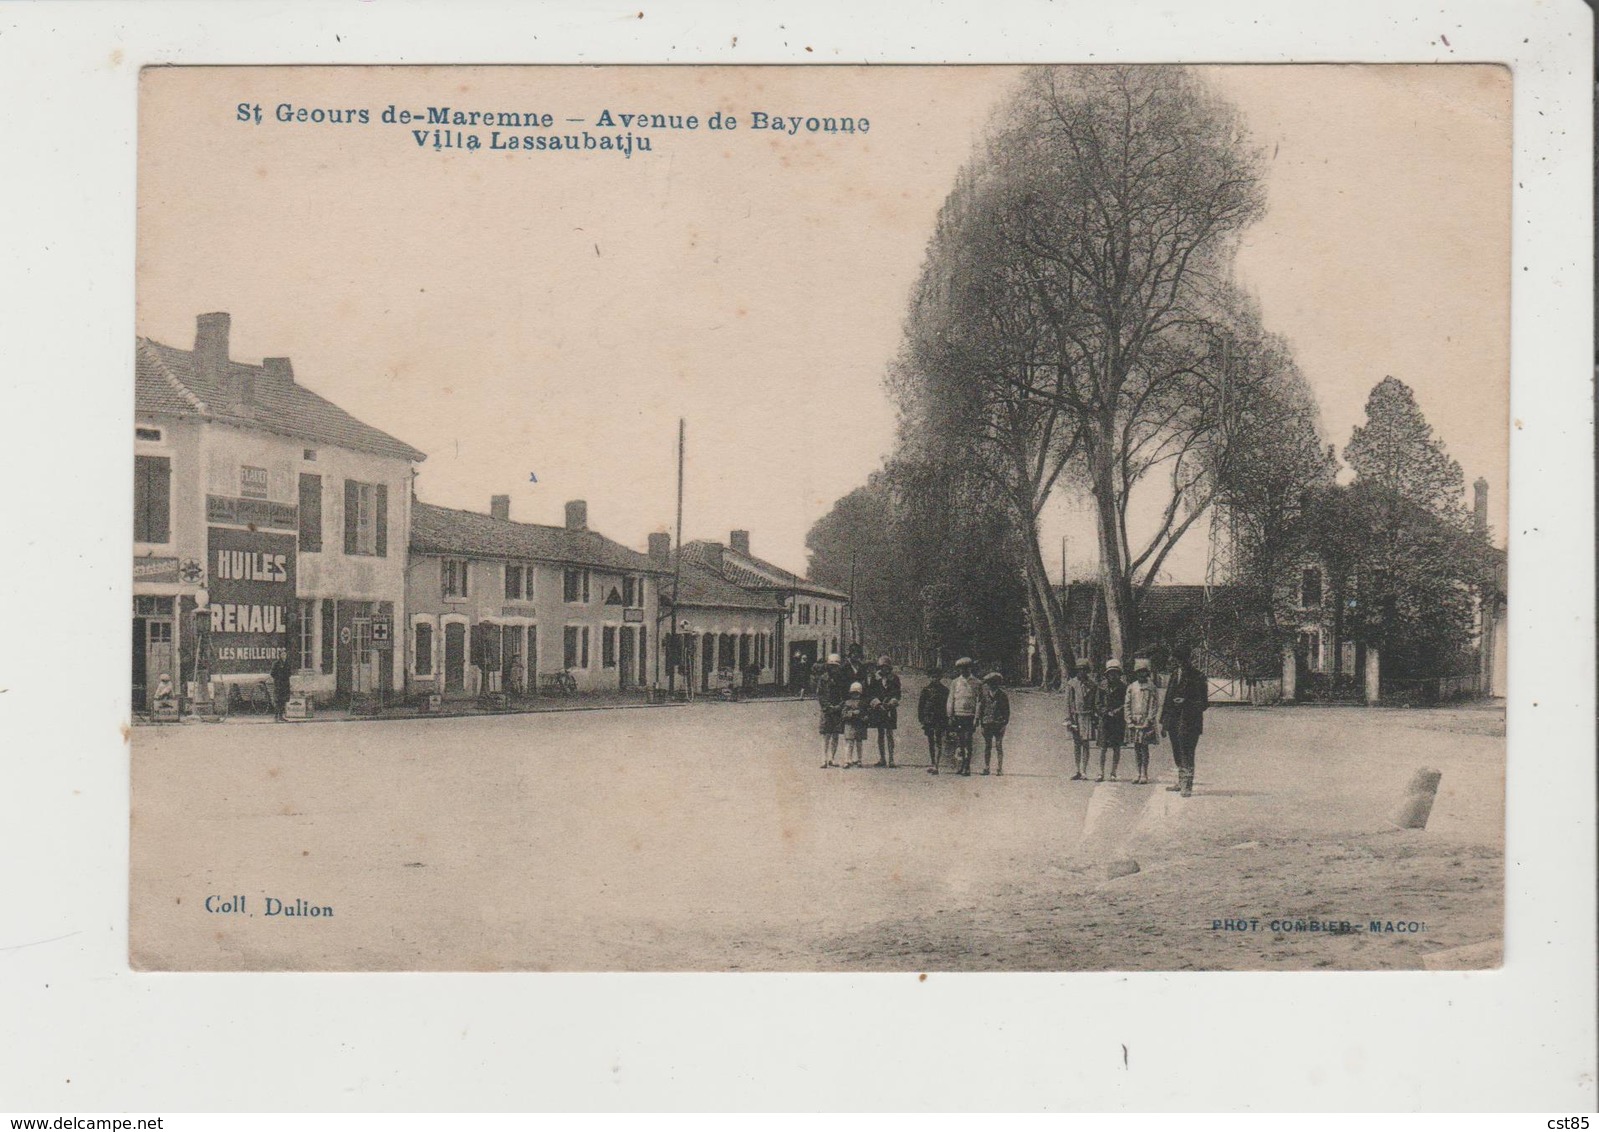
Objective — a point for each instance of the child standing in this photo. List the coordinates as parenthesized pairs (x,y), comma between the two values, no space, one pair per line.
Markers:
(932,712)
(1081,717)
(964,696)
(1143,716)
(854,724)
(829,696)
(884,692)
(994,715)
(1112,718)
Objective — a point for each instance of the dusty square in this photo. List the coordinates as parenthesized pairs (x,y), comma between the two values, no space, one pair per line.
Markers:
(705,837)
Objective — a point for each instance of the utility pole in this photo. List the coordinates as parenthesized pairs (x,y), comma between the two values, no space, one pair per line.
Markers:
(677,569)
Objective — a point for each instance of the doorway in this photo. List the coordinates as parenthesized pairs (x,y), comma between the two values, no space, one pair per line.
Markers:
(627,650)
(153,654)
(454,658)
(802,659)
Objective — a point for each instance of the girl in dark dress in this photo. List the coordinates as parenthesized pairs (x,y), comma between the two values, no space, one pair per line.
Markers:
(1112,717)
(830,697)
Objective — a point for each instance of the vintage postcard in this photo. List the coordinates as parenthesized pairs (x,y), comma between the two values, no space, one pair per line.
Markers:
(828,518)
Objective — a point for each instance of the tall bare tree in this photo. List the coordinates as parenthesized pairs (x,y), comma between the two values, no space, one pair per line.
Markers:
(1127,187)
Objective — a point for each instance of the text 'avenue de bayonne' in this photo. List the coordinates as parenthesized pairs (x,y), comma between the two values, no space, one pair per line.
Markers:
(447,127)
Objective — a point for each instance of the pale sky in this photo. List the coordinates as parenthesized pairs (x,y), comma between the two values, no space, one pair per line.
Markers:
(517,313)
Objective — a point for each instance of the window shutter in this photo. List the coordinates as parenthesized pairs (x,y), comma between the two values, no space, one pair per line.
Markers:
(383,519)
(141,499)
(160,500)
(328,632)
(310,513)
(352,507)
(152,499)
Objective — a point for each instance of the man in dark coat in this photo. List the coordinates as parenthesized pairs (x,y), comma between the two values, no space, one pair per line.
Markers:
(856,670)
(280,686)
(1182,716)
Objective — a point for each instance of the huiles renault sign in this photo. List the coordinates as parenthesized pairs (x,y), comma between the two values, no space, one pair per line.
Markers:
(252,594)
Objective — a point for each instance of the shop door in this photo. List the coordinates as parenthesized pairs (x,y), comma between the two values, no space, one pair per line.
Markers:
(454,657)
(626,652)
(141,681)
(159,658)
(707,660)
(513,660)
(363,658)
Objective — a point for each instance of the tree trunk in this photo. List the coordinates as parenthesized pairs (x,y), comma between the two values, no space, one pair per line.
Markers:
(1054,621)
(1120,614)
(1041,638)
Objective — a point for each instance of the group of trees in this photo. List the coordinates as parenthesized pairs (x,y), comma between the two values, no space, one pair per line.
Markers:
(1077,325)
(1406,562)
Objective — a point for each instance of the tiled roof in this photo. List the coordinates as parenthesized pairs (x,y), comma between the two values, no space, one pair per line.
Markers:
(754,573)
(166,381)
(444,530)
(698,588)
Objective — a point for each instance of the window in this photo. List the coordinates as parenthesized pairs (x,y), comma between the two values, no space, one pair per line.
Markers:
(151,434)
(518,582)
(452,575)
(305,635)
(1310,588)
(632,591)
(152,499)
(310,513)
(643,655)
(575,653)
(608,647)
(310,455)
(805,613)
(366,518)
(576,585)
(424,649)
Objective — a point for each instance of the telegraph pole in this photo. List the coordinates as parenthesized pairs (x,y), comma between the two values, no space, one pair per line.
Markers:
(677,569)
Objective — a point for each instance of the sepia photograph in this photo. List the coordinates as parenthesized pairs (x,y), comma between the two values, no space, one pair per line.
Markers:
(900,518)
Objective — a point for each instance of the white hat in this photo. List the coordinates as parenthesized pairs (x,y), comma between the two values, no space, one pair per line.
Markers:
(1113,663)
(964,662)
(834,658)
(1141,664)
(856,687)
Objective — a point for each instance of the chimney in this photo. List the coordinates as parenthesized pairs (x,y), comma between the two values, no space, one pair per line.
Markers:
(714,551)
(577,515)
(211,362)
(500,507)
(279,368)
(661,548)
(740,541)
(211,343)
(1479,518)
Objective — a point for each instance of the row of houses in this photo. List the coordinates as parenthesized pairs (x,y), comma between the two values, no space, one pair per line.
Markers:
(269,525)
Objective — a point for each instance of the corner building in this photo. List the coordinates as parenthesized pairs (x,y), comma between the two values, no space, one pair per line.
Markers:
(268,523)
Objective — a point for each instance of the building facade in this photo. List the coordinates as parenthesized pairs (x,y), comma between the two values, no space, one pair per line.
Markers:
(500,608)
(268,524)
(814,616)
(713,631)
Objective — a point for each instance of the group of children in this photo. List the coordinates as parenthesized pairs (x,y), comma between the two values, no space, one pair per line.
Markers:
(953,713)
(854,698)
(1115,712)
